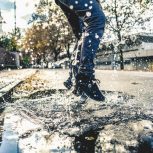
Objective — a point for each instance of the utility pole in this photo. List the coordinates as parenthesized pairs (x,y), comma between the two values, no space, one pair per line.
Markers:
(15,17)
(14,48)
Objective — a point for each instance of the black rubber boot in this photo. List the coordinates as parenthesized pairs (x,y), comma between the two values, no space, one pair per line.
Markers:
(88,85)
(68,83)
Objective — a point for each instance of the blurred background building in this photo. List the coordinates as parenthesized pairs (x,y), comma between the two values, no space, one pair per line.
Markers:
(137,53)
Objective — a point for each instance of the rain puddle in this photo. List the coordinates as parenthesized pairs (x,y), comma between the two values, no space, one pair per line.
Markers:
(52,121)
(16,138)
(31,141)
(8,138)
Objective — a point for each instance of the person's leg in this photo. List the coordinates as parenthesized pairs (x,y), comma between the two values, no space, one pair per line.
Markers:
(74,66)
(77,27)
(95,23)
(94,19)
(73,19)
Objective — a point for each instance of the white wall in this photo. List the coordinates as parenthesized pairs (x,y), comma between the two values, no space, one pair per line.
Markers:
(146,46)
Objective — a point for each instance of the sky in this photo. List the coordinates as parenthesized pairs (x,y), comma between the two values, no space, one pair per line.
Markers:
(24,10)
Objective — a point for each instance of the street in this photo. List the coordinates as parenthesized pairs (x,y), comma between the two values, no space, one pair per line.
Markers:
(40,40)
(44,117)
(134,83)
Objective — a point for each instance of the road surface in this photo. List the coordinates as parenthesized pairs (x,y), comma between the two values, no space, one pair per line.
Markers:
(55,121)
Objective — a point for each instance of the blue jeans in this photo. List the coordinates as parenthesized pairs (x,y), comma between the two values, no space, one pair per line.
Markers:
(88,12)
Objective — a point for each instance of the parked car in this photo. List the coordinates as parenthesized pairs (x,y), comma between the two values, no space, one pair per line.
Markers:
(9,59)
(56,65)
(36,66)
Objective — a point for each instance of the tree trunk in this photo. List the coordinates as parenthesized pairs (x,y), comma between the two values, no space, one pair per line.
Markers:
(120,51)
(119,37)
(121,60)
(56,53)
(55,56)
(68,51)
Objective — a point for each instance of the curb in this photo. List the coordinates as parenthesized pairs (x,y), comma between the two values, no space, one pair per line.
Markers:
(5,93)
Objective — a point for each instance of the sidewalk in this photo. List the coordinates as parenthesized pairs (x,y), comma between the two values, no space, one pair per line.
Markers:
(10,79)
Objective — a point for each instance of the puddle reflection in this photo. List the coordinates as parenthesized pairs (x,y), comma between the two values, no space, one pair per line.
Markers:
(8,139)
